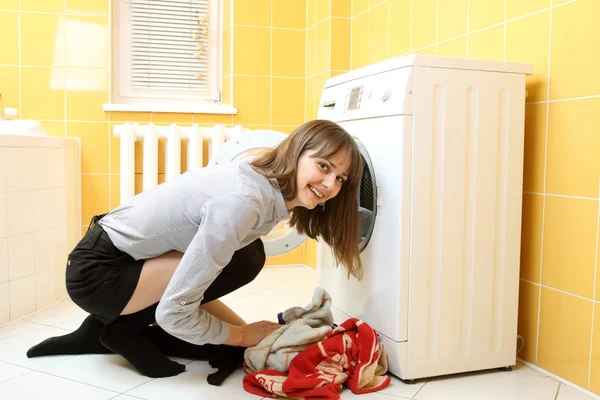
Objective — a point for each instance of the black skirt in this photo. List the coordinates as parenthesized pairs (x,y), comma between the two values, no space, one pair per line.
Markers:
(100,278)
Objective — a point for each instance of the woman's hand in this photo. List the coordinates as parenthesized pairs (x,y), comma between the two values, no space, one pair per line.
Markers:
(251,334)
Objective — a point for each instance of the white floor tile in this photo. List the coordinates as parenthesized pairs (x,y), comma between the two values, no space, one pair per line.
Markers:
(267,304)
(71,323)
(9,371)
(348,395)
(192,385)
(265,280)
(18,327)
(108,371)
(184,361)
(490,386)
(37,385)
(14,349)
(273,291)
(273,277)
(57,313)
(399,388)
(568,393)
(524,369)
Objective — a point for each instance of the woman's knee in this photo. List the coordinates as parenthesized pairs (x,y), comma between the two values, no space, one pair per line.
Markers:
(251,260)
(130,324)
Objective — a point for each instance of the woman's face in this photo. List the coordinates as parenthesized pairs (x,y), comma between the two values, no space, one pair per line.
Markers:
(319,179)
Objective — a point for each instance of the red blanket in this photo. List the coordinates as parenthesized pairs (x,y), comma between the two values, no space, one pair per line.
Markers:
(351,352)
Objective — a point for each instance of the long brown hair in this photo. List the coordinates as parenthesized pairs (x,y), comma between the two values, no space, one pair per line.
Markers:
(338,224)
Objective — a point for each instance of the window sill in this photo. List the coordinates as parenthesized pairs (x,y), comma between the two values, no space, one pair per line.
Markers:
(172,108)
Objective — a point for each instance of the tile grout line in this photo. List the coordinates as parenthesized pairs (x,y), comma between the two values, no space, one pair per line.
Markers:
(421,388)
(110,89)
(305,58)
(231,53)
(329,40)
(437,24)
(557,391)
(539,316)
(594,292)
(559,290)
(66,86)
(126,393)
(468,25)
(269,27)
(15,377)
(559,379)
(75,13)
(387,47)
(410,26)
(314,88)
(42,326)
(271,68)
(80,382)
(594,96)
(251,76)
(562,195)
(504,55)
(351,31)
(19,61)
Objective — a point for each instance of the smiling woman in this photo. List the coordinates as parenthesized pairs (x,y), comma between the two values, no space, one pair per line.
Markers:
(145,262)
(320,155)
(320,179)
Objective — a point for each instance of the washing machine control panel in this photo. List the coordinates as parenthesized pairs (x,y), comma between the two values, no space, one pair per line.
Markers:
(387,93)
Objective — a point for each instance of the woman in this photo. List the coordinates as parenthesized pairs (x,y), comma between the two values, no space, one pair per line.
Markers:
(167,255)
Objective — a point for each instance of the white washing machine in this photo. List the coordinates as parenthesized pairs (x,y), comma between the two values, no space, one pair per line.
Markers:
(440,203)
(442,140)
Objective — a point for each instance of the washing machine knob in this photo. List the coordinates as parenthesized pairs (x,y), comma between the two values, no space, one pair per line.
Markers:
(387,92)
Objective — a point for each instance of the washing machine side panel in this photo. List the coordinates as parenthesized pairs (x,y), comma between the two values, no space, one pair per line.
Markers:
(465,221)
(381,297)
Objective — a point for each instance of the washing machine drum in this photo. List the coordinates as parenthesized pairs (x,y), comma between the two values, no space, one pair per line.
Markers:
(283,239)
(367,197)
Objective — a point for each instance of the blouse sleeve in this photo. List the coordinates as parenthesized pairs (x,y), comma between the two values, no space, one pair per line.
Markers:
(225,222)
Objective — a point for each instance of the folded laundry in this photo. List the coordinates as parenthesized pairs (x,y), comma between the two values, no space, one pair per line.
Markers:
(303,327)
(351,352)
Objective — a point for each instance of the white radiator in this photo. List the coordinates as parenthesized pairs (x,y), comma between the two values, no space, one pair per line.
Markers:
(174,134)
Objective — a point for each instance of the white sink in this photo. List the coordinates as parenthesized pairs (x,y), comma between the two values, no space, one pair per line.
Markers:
(21,127)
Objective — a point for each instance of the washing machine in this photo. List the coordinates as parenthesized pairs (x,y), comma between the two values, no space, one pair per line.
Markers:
(440,206)
(442,141)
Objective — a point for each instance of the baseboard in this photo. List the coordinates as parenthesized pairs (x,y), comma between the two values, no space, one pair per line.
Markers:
(561,380)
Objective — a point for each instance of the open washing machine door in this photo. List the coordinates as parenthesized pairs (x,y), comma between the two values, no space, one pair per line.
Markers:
(367,197)
(282,239)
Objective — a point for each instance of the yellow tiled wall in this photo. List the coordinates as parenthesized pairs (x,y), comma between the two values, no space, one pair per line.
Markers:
(560,278)
(54,67)
(327,55)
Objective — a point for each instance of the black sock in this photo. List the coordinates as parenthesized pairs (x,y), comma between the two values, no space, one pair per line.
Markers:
(84,340)
(173,346)
(223,357)
(128,336)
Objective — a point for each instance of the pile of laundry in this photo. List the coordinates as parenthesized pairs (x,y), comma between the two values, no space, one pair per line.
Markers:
(307,358)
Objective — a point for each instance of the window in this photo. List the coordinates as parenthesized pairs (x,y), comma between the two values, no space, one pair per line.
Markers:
(166,55)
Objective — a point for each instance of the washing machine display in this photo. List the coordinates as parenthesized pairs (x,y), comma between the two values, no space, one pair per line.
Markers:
(354,98)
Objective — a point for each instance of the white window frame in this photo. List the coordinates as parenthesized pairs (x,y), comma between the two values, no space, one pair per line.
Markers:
(124,98)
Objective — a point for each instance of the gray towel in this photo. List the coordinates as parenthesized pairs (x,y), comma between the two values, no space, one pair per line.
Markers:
(303,327)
